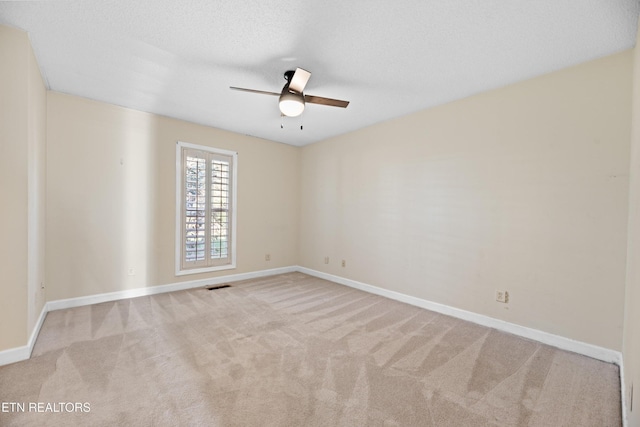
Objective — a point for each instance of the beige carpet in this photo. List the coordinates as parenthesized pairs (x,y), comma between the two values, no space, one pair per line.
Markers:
(292,350)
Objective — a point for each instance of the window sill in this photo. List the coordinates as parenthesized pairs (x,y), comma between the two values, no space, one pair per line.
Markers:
(205,270)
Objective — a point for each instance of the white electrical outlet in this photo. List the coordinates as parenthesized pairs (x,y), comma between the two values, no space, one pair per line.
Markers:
(326,260)
(502,296)
(344,263)
(132,271)
(267,257)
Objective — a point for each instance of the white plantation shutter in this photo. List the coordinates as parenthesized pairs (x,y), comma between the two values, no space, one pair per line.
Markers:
(195,208)
(206,199)
(219,197)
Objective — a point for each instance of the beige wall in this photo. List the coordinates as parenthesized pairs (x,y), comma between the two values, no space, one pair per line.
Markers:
(521,189)
(111,198)
(13,187)
(631,353)
(22,142)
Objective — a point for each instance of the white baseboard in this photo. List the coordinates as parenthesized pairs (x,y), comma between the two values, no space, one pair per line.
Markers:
(153,290)
(18,354)
(596,352)
(36,328)
(607,355)
(593,351)
(623,394)
(14,355)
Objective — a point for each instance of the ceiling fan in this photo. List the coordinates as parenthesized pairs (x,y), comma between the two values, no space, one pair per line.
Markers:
(292,98)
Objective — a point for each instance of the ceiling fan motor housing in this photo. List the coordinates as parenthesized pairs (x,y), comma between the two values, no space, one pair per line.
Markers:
(288,75)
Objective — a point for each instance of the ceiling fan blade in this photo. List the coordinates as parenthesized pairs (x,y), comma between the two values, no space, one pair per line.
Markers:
(299,80)
(263,92)
(325,101)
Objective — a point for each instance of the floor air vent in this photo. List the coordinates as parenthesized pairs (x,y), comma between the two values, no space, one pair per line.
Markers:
(214,287)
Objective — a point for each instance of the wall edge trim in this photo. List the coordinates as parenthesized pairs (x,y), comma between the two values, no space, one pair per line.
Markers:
(623,394)
(36,329)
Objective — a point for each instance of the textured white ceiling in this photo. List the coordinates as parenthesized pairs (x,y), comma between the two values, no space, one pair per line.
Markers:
(389,58)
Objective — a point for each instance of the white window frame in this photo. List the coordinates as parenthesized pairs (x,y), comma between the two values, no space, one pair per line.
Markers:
(180,146)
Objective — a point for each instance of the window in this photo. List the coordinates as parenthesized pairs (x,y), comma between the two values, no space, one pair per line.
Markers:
(205,209)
